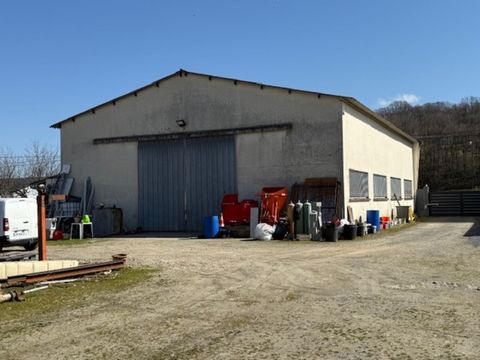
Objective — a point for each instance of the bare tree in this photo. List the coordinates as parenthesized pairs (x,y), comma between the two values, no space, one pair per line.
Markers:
(8,171)
(18,171)
(41,161)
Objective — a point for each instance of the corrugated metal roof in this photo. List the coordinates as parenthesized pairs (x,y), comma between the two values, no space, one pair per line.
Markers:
(346,99)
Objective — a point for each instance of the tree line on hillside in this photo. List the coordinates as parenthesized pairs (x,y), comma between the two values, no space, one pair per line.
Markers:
(449,140)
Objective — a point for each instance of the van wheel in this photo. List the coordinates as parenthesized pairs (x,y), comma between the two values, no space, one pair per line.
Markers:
(31,246)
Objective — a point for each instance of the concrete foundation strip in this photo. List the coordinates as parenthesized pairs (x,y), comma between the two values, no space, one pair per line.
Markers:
(118,262)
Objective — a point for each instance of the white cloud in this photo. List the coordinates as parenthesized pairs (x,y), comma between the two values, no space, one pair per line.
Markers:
(412,99)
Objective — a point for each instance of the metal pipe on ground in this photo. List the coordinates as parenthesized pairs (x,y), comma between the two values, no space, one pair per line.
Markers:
(19,295)
(64,281)
(7,297)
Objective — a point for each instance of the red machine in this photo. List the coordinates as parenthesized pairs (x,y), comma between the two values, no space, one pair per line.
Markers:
(273,202)
(236,213)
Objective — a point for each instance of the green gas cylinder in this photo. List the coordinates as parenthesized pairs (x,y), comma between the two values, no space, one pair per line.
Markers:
(298,217)
(307,209)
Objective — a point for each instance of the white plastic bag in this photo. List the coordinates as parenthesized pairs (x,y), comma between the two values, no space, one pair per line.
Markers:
(264,231)
(343,222)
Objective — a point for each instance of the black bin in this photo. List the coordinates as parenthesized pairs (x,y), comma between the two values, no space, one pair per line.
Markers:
(349,232)
(361,230)
(331,232)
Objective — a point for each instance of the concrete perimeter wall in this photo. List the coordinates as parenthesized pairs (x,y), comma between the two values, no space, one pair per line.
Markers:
(312,148)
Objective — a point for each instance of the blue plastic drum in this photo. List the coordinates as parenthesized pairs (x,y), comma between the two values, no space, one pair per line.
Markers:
(373,217)
(211,227)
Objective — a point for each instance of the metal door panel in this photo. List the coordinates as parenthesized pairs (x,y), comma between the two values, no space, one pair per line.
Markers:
(211,173)
(182,181)
(161,185)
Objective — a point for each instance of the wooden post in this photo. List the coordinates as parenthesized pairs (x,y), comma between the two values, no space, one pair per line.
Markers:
(42,226)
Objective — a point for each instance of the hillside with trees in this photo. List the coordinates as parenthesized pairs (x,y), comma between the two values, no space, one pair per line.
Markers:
(449,140)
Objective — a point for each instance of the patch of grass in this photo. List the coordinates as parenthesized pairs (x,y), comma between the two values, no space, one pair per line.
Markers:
(237,321)
(391,231)
(74,295)
(291,296)
(230,292)
(74,242)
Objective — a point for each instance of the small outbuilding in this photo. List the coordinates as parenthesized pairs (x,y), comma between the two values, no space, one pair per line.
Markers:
(167,153)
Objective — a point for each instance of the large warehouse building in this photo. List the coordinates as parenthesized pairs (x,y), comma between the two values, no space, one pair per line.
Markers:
(166,153)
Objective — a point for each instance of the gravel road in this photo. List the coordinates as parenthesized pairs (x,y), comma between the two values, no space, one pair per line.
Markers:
(411,294)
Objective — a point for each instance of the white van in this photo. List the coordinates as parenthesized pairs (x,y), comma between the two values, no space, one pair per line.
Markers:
(18,223)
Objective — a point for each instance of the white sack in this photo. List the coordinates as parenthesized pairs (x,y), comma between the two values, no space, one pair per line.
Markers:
(264,231)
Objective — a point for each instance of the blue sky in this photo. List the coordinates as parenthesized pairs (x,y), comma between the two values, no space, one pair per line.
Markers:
(58,58)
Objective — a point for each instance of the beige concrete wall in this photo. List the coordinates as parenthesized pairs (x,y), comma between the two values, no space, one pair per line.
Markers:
(260,162)
(370,147)
(312,148)
(112,168)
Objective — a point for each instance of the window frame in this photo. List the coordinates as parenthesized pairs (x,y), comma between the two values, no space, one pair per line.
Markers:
(392,193)
(410,196)
(357,197)
(380,198)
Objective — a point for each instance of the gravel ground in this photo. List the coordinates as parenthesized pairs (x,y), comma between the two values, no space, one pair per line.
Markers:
(411,294)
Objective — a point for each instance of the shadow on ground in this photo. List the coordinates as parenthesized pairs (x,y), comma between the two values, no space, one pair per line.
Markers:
(163,235)
(448,219)
(13,249)
(473,233)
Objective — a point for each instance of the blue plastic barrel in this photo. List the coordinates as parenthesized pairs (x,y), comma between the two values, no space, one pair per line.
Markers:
(373,217)
(211,227)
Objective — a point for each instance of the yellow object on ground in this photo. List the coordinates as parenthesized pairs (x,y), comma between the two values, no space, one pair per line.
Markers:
(411,215)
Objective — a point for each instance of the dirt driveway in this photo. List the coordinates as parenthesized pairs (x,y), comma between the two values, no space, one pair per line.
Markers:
(412,294)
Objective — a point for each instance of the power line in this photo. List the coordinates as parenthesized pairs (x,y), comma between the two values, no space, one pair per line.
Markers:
(29,156)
